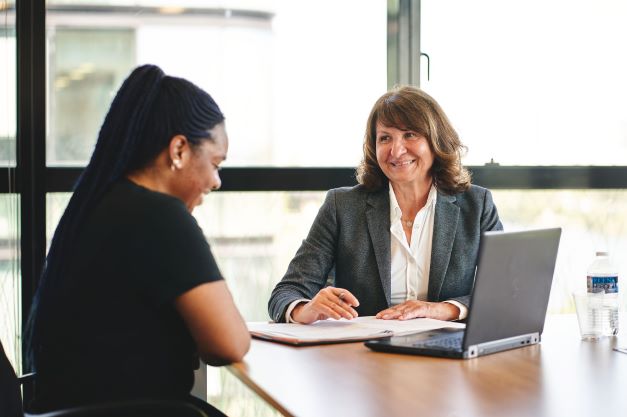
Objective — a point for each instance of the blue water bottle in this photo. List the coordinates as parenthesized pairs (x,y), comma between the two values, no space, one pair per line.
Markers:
(603,282)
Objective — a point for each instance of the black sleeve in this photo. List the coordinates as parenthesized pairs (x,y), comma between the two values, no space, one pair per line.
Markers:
(170,254)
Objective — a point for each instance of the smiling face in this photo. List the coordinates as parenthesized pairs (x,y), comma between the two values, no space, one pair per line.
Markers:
(198,169)
(404,156)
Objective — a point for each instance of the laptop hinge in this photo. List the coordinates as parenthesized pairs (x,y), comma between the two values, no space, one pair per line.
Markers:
(502,344)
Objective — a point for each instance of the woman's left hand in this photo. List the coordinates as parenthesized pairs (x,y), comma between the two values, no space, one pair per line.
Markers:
(412,309)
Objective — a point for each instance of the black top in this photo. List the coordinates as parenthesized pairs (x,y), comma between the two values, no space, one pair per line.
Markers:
(113,332)
(10,397)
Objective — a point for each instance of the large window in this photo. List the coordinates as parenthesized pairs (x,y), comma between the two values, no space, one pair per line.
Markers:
(10,305)
(591,220)
(7,89)
(10,294)
(85,65)
(295,79)
(538,83)
(530,82)
(295,85)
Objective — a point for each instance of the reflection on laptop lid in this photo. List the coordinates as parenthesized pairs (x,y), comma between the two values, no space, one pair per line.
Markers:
(508,303)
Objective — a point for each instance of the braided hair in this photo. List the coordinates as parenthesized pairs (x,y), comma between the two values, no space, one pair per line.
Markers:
(148,110)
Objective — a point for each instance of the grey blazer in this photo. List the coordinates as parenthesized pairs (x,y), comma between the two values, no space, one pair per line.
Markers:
(350,240)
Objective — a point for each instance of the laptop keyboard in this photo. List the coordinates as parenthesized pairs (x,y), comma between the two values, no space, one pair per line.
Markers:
(448,343)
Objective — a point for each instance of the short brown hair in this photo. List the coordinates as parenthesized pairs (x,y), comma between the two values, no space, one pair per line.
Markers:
(409,108)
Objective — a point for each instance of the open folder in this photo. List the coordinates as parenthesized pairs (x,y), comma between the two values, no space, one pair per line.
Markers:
(341,331)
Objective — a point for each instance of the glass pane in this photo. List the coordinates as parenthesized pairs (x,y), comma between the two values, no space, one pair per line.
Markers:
(10,290)
(293,94)
(227,393)
(55,206)
(8,83)
(531,82)
(83,78)
(591,220)
(253,250)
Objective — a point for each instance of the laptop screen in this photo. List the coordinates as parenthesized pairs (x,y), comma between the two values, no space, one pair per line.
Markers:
(512,285)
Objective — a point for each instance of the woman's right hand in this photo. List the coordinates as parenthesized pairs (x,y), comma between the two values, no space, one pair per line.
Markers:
(330,302)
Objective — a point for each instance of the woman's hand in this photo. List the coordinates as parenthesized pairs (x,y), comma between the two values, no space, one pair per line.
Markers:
(330,302)
(413,308)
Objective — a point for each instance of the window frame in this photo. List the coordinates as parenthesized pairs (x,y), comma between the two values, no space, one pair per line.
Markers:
(32,179)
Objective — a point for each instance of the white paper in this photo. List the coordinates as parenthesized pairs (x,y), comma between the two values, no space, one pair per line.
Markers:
(401,327)
(329,330)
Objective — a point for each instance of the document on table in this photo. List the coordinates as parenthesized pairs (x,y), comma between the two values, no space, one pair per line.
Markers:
(338,331)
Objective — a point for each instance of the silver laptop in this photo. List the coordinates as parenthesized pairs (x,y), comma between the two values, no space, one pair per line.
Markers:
(508,302)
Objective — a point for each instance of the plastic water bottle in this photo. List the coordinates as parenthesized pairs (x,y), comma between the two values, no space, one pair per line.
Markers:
(603,282)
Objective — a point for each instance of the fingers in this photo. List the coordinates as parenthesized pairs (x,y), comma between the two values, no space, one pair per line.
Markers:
(405,311)
(311,311)
(388,314)
(340,301)
(330,302)
(345,296)
(326,311)
(335,303)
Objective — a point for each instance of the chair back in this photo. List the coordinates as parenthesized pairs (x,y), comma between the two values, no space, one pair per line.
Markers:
(139,408)
(11,402)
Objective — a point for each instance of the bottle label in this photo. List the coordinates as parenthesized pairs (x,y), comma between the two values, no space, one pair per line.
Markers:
(609,285)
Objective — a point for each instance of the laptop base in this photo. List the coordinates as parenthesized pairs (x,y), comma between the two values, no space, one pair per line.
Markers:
(422,344)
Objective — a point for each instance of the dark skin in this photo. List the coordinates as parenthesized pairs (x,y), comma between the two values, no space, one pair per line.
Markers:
(187,172)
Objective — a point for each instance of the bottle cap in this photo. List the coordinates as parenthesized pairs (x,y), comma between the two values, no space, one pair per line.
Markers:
(602,253)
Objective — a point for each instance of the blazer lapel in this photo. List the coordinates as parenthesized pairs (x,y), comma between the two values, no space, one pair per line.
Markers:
(378,218)
(444,227)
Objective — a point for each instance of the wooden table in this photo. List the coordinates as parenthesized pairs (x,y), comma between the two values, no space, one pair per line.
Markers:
(562,376)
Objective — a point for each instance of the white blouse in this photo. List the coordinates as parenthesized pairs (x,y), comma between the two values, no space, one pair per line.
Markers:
(411,260)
